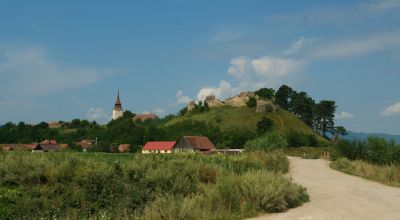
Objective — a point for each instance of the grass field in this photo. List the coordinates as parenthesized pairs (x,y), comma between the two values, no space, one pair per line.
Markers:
(134,186)
(386,174)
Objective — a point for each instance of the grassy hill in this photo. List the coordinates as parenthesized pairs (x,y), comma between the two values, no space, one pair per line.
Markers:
(244,118)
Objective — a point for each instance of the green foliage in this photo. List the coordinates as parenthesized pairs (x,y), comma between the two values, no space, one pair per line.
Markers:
(283,97)
(386,174)
(98,185)
(325,115)
(183,111)
(200,108)
(252,102)
(264,125)
(269,142)
(303,106)
(266,93)
(375,150)
(299,139)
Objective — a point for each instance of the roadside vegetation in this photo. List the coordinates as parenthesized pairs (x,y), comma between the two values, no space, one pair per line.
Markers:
(375,159)
(133,186)
(386,174)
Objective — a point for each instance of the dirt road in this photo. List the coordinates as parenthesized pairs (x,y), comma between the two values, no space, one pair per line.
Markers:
(335,195)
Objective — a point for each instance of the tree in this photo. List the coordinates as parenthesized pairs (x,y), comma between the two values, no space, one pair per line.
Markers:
(283,97)
(128,114)
(325,114)
(252,102)
(339,131)
(183,111)
(266,93)
(264,125)
(75,123)
(303,106)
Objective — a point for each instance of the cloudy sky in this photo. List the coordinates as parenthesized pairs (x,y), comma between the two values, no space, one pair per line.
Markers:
(65,60)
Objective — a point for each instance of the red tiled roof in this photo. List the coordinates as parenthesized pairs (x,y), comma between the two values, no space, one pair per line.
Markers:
(159,145)
(202,143)
(49,142)
(144,117)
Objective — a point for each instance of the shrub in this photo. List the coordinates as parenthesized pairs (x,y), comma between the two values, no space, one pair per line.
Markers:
(252,102)
(387,174)
(269,142)
(270,192)
(374,150)
(264,125)
(298,139)
(115,186)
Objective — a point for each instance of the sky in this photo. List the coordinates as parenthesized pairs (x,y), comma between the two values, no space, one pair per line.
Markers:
(61,60)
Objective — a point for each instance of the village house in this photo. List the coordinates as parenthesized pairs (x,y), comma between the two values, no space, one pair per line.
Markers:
(194,144)
(47,146)
(158,147)
(86,144)
(18,147)
(144,117)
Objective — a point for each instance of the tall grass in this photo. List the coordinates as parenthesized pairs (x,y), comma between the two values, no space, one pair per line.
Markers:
(133,186)
(386,174)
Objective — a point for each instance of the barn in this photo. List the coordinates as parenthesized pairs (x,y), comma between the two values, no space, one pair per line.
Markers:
(194,144)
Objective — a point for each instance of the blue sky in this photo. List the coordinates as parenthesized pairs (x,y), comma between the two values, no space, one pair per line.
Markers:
(65,60)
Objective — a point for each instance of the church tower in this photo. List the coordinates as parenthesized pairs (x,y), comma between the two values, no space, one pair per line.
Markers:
(117,111)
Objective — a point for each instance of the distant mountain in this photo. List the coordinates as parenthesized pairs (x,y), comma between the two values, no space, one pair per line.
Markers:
(364,136)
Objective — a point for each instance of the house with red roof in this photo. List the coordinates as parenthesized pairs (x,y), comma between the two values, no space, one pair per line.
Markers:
(145,117)
(158,147)
(185,144)
(195,144)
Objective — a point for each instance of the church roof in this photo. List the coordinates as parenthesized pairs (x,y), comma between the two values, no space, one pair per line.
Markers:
(118,105)
(118,102)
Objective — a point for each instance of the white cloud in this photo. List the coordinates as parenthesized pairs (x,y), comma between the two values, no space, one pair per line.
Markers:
(392,110)
(182,99)
(223,90)
(344,115)
(29,72)
(299,45)
(358,46)
(271,67)
(253,73)
(239,66)
(98,115)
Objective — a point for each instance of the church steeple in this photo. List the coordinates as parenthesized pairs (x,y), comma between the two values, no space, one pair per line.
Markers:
(118,104)
(117,111)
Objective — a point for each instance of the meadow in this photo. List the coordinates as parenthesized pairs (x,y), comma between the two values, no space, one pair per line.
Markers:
(73,185)
(386,174)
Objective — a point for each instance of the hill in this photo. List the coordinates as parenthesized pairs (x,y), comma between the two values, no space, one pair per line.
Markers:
(243,118)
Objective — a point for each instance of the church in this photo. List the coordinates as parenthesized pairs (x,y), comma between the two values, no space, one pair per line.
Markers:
(117,111)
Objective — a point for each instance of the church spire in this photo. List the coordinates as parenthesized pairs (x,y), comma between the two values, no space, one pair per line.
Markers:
(118,104)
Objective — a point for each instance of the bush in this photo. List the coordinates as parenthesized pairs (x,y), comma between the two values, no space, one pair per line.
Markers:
(269,142)
(126,186)
(252,102)
(264,125)
(374,150)
(298,139)
(386,174)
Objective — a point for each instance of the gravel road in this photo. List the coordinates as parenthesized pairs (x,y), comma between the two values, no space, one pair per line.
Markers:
(335,195)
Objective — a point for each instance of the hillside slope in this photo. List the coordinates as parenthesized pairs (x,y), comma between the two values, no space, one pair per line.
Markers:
(244,118)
